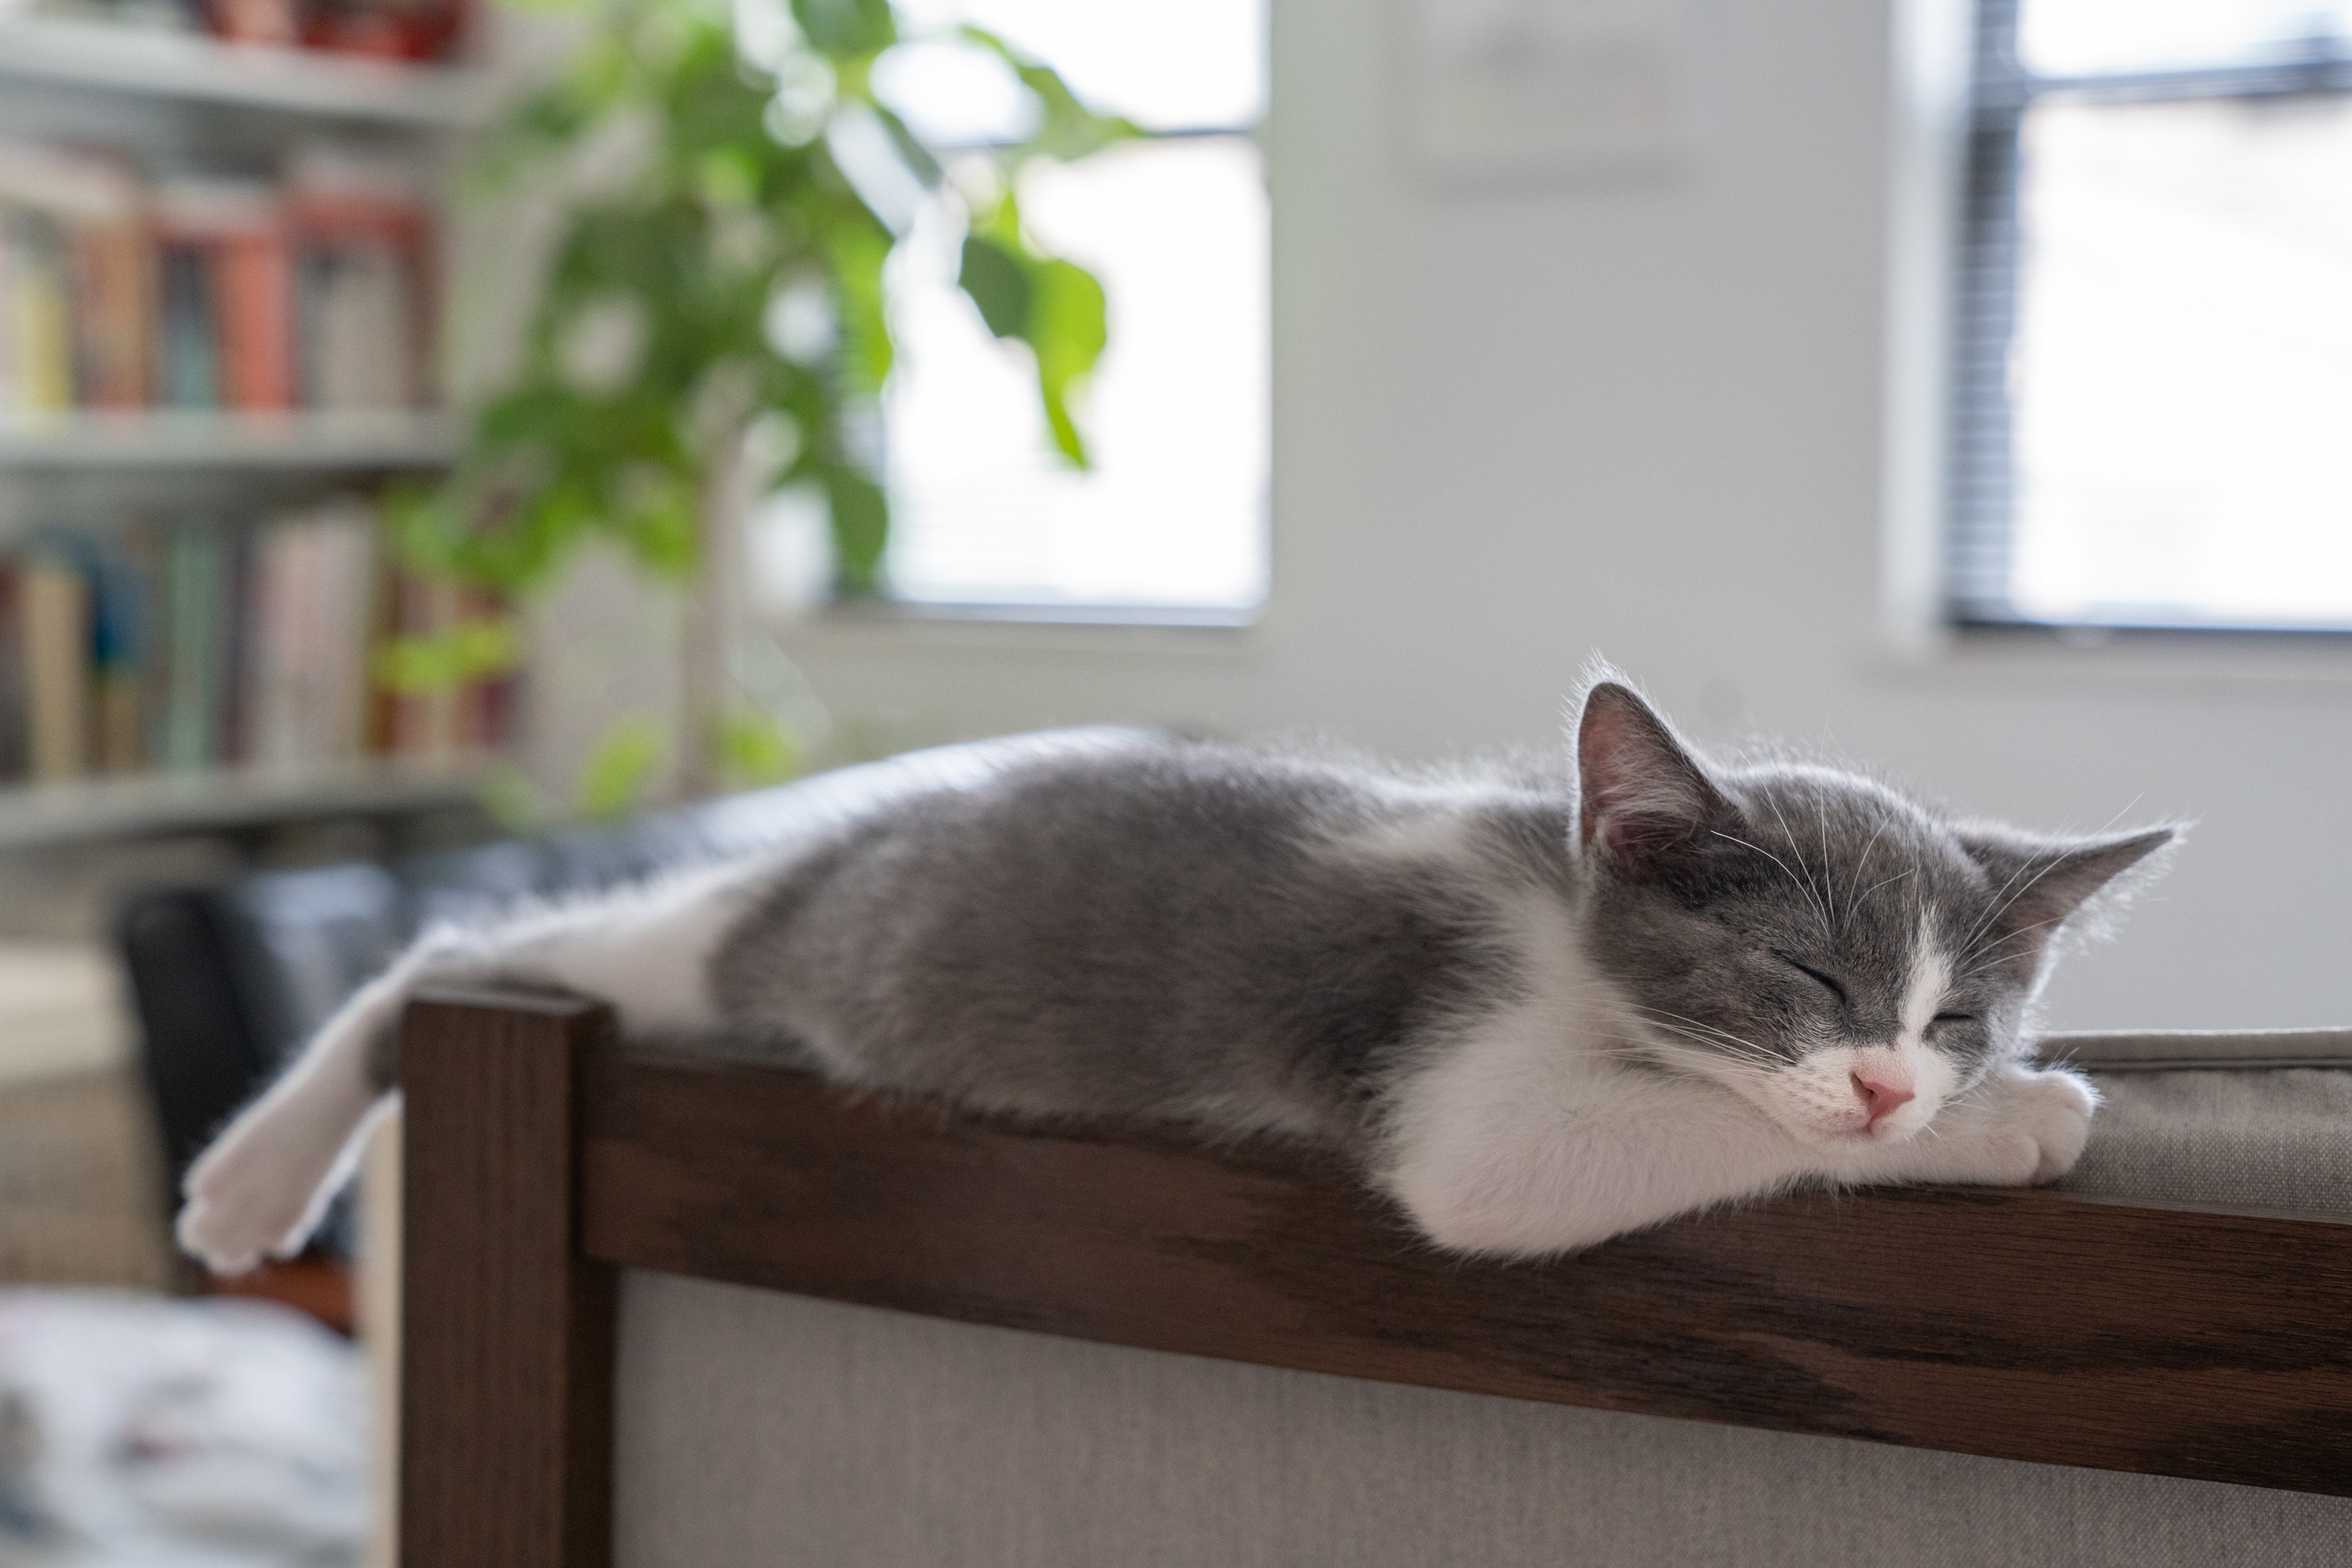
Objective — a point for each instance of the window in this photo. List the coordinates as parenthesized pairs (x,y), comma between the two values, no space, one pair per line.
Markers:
(1170,521)
(2153,420)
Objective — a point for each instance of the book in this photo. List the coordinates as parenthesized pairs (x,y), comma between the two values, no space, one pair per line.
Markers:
(238,228)
(113,293)
(193,647)
(309,673)
(419,722)
(358,334)
(56,622)
(14,714)
(99,245)
(36,316)
(272,22)
(316,290)
(486,703)
(189,376)
(362,230)
(118,656)
(233,713)
(347,568)
(386,29)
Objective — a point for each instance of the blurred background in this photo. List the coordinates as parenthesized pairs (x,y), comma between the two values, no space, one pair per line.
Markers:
(439,438)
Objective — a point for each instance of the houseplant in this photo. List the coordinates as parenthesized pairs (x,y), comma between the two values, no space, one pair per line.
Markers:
(714,318)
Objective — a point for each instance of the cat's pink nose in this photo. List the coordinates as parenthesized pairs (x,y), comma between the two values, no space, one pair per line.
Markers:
(1880,1095)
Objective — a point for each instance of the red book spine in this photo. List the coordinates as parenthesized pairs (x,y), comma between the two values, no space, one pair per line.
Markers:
(255,311)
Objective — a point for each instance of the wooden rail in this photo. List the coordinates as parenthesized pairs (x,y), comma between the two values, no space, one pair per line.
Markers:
(2024,1325)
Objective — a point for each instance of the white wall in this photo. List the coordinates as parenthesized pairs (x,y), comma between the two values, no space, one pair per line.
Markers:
(1513,428)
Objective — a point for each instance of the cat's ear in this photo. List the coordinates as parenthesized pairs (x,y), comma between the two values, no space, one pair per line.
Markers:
(1646,807)
(2040,885)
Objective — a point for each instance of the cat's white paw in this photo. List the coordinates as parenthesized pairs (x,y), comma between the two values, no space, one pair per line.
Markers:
(2024,1126)
(2053,1110)
(2019,1127)
(248,1196)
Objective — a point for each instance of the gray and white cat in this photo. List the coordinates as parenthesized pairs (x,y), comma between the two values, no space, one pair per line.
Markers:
(1540,1011)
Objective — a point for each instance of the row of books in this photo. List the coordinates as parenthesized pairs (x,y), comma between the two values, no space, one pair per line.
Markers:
(191,646)
(386,29)
(117,291)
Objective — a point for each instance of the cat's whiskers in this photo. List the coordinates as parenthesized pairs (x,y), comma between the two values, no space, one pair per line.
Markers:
(1801,886)
(1715,1042)
(1717,1039)
(1863,866)
(1720,1040)
(1657,1012)
(1991,954)
(1829,880)
(1803,882)
(1706,1061)
(1889,881)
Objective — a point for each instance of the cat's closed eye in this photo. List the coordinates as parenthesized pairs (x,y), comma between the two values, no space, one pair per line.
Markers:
(1953,1018)
(1834,989)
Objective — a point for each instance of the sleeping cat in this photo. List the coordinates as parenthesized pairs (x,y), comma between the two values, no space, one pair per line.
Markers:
(1538,1011)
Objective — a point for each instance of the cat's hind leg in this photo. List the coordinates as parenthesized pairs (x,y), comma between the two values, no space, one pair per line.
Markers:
(264,1182)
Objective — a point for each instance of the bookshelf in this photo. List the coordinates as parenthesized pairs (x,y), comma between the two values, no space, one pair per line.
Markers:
(188,117)
(45,817)
(118,60)
(320,442)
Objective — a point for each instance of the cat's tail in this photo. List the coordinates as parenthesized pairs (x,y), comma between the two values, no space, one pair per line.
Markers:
(263,1185)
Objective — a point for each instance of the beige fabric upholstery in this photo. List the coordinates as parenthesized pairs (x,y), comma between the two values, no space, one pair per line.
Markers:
(758,1428)
(2278,1139)
(2168,1050)
(761,1428)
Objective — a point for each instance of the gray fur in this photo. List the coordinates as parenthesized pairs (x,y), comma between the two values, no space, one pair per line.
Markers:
(1542,1009)
(1248,941)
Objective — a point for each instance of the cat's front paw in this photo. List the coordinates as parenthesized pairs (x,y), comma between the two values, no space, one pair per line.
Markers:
(2031,1124)
(2054,1109)
(2019,1127)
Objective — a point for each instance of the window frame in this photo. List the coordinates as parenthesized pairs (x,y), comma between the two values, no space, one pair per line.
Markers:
(1978,499)
(1073,616)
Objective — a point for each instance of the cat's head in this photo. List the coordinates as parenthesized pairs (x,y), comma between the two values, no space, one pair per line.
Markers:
(1836,955)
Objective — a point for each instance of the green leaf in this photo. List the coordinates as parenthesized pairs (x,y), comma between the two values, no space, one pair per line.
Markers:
(728,176)
(847,29)
(442,661)
(616,773)
(998,282)
(861,527)
(857,254)
(662,527)
(1070,329)
(755,749)
(920,161)
(1054,306)
(1068,129)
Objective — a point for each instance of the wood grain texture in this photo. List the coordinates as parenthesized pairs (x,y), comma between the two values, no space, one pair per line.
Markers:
(2024,1325)
(507,1366)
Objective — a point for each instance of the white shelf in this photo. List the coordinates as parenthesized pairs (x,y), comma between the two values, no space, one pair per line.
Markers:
(314,83)
(40,816)
(187,439)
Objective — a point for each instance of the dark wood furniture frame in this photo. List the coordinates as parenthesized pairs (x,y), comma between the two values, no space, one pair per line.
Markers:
(541,1158)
